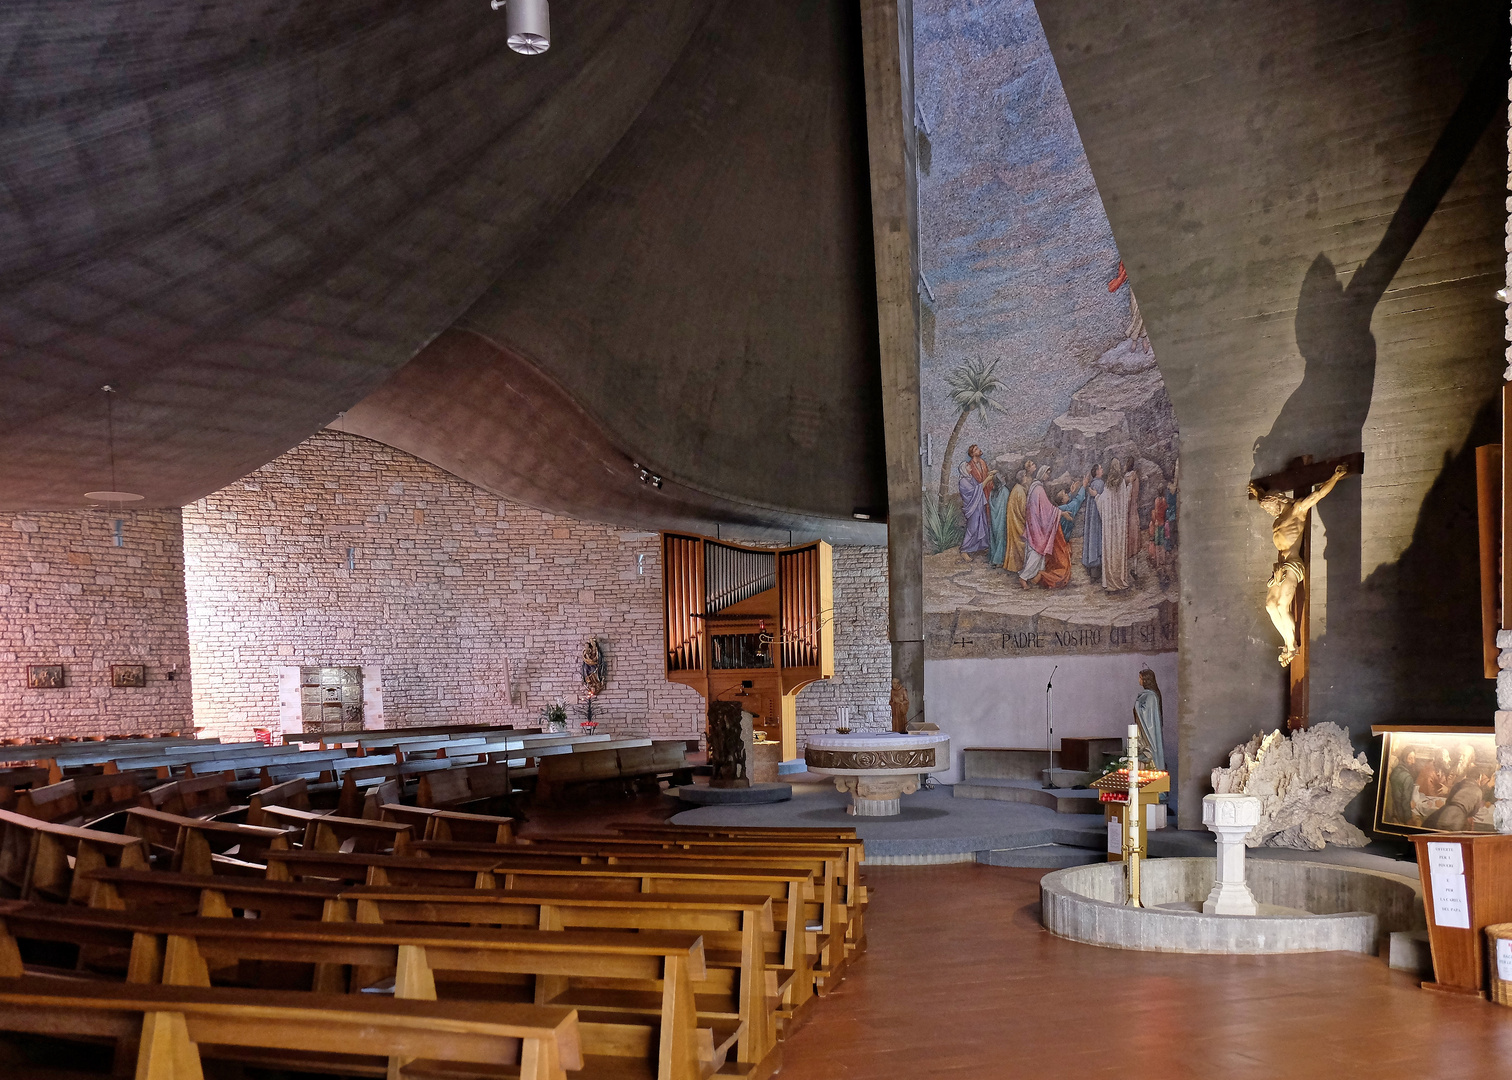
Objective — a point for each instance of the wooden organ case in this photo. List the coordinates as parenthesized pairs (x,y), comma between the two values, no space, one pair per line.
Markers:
(754,625)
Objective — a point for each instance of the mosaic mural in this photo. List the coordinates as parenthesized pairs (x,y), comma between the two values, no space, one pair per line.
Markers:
(1051,482)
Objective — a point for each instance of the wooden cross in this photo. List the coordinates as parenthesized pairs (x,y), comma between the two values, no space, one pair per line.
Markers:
(1298,479)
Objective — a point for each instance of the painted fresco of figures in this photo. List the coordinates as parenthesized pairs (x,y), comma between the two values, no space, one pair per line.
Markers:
(1013,523)
(1131,485)
(1092,534)
(1113,504)
(997,522)
(976,488)
(1047,555)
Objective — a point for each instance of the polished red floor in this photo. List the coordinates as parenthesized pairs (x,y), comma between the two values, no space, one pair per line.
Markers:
(960,980)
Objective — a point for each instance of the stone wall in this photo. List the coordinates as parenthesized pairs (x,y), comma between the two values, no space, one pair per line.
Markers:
(863,658)
(70,596)
(454,593)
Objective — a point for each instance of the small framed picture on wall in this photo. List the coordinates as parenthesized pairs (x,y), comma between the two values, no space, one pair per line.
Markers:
(45,677)
(128,674)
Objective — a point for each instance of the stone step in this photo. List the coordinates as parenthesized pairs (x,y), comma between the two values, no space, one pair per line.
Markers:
(1048,856)
(1061,800)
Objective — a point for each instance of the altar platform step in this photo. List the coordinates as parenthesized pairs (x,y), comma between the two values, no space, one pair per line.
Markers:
(1042,856)
(1061,800)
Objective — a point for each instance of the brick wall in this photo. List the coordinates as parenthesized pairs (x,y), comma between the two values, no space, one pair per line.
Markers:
(70,596)
(451,585)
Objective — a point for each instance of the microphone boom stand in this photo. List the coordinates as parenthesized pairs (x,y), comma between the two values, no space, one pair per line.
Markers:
(1049,754)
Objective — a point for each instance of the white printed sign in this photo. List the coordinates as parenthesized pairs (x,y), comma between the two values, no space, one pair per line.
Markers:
(1450,905)
(1504,959)
(1115,837)
(1445,858)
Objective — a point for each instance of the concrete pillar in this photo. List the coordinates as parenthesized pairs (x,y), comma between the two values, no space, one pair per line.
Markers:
(892,145)
(1230,817)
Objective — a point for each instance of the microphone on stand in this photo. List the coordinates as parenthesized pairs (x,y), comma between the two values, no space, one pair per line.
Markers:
(1049,754)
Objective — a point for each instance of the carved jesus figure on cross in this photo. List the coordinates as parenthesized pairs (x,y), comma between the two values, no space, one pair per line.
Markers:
(1288,581)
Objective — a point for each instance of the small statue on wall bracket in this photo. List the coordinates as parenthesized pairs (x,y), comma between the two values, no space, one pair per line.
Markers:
(595,668)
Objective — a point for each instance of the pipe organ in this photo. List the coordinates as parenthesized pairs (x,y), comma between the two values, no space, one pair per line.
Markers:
(754,625)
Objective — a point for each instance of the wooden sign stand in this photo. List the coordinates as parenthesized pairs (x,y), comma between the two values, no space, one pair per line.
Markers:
(1298,479)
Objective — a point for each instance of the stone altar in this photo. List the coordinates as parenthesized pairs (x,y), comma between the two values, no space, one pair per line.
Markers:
(878,769)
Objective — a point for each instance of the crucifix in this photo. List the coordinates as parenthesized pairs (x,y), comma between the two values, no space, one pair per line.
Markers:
(1289,497)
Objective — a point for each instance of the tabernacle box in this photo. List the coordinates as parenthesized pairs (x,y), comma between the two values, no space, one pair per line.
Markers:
(1467,886)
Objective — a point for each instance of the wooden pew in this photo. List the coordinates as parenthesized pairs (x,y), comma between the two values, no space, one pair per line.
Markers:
(196,796)
(183,951)
(827,920)
(83,800)
(791,891)
(197,845)
(221,895)
(42,860)
(310,1031)
(292,793)
(359,782)
(374,799)
(471,789)
(452,825)
(18,778)
(852,850)
(737,931)
(328,832)
(616,762)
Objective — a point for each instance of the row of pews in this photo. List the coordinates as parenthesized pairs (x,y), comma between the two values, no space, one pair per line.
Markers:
(387,937)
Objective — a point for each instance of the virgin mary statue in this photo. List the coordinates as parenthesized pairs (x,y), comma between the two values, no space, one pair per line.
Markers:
(1147,714)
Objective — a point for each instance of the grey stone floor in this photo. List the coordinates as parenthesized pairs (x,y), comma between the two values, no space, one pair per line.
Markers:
(935,823)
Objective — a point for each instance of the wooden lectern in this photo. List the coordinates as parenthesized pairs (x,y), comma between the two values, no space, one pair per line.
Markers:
(1467,886)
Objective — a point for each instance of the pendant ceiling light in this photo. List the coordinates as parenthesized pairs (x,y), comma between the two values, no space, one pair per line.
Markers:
(113,495)
(529,23)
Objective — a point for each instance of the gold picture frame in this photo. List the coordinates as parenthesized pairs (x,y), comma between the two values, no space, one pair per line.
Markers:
(128,675)
(1435,780)
(44,677)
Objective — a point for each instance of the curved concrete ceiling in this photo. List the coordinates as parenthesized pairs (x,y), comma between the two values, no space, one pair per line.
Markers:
(510,428)
(246,219)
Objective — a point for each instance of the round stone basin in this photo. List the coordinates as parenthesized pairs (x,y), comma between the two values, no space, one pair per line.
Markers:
(1304,907)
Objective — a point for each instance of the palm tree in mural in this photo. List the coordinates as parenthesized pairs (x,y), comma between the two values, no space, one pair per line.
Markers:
(971,388)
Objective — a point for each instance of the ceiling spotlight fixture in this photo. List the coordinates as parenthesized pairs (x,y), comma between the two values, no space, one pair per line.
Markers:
(646,475)
(1501,294)
(113,495)
(529,24)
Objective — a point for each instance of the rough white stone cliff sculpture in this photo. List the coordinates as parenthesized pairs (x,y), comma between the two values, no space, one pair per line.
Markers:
(1303,784)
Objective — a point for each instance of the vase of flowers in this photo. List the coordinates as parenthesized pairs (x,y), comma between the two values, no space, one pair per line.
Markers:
(554,717)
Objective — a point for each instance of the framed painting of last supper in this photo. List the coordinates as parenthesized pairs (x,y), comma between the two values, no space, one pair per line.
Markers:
(1435,780)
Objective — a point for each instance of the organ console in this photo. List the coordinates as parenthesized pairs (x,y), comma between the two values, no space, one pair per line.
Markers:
(749,624)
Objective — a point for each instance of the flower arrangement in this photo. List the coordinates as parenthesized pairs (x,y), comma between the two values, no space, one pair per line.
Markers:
(554,716)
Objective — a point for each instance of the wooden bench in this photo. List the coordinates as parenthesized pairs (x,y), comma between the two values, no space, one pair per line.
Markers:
(478,787)
(622,764)
(360,782)
(328,832)
(305,1031)
(197,845)
(195,796)
(791,891)
(19,778)
(40,859)
(739,993)
(221,895)
(834,864)
(84,800)
(649,970)
(451,824)
(826,919)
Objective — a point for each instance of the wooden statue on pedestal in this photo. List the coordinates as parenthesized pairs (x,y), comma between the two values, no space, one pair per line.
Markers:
(727,752)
